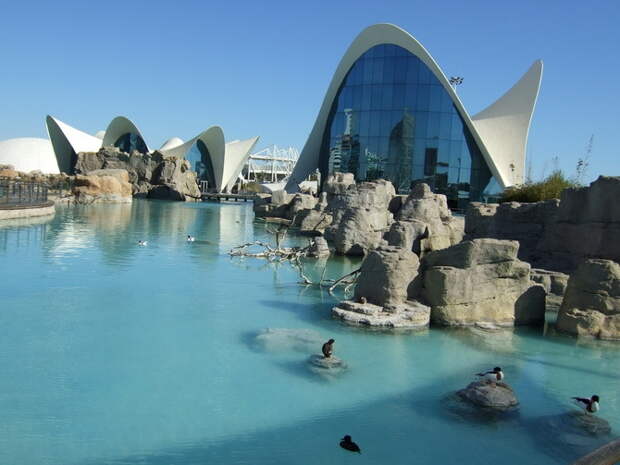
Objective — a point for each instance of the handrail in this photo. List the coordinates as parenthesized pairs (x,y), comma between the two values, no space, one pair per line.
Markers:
(14,192)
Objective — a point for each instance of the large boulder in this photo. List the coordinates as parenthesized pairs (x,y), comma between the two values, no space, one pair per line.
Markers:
(498,396)
(385,276)
(591,305)
(338,183)
(480,282)
(360,217)
(424,222)
(313,222)
(174,180)
(102,186)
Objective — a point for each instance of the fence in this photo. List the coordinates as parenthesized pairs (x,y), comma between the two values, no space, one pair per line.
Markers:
(15,193)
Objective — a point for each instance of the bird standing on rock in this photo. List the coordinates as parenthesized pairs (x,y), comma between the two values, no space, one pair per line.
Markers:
(494,376)
(591,404)
(328,348)
(349,445)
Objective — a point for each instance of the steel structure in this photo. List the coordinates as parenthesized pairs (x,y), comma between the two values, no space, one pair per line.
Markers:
(272,164)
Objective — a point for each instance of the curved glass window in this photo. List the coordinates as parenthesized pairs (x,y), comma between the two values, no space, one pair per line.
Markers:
(200,159)
(393,119)
(130,142)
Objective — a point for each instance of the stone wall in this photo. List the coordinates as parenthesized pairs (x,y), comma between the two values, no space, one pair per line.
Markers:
(556,234)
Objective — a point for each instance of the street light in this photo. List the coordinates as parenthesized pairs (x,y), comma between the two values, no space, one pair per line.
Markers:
(455,81)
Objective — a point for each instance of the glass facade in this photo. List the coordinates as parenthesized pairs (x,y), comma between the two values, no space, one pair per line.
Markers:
(200,159)
(393,119)
(130,142)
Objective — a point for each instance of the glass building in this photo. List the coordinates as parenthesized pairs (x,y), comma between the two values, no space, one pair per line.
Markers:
(200,160)
(393,119)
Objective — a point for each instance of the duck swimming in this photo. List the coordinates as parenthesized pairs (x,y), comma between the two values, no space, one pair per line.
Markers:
(591,404)
(190,238)
(349,445)
(142,243)
(494,376)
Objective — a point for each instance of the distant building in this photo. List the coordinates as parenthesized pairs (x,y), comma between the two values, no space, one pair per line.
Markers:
(215,161)
(390,112)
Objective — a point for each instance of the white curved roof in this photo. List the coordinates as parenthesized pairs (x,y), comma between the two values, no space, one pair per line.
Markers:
(68,141)
(118,127)
(236,154)
(506,160)
(29,154)
(171,143)
(100,134)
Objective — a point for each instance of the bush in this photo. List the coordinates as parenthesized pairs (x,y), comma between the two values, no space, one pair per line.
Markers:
(549,188)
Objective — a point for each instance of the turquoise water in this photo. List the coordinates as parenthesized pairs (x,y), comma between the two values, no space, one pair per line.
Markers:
(117,354)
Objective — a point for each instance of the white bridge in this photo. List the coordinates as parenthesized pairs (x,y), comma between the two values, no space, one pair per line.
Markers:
(271,165)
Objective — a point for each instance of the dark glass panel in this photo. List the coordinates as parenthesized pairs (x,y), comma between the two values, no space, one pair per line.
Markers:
(402,125)
(130,142)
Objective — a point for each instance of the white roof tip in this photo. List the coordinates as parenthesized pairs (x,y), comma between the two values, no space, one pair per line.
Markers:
(100,134)
(171,143)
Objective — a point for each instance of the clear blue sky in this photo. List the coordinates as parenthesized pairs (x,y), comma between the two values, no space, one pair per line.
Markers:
(262,67)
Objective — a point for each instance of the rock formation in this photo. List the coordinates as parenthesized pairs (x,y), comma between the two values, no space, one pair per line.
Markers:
(554,283)
(556,235)
(424,222)
(319,248)
(108,185)
(381,292)
(498,396)
(360,216)
(591,305)
(479,282)
(151,175)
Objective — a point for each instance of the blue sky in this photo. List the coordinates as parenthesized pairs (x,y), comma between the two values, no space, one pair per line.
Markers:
(262,68)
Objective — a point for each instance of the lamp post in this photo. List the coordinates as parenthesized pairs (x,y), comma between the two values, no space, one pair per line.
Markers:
(455,81)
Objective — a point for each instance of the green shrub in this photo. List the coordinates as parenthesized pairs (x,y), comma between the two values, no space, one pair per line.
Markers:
(550,188)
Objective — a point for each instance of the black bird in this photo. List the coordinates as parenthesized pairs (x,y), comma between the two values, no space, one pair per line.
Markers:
(349,445)
(328,348)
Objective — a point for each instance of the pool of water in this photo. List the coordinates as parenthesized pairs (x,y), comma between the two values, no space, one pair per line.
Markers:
(111,353)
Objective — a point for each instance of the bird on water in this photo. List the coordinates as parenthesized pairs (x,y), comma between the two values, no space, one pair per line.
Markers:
(348,444)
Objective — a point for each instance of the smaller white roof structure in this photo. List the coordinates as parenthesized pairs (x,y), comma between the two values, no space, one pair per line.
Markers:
(29,154)
(171,143)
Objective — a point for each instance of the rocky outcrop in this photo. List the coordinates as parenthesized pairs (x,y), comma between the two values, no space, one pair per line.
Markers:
(406,315)
(479,282)
(556,234)
(174,180)
(111,185)
(8,171)
(280,204)
(151,175)
(554,283)
(424,222)
(498,396)
(591,305)
(360,216)
(385,278)
(386,275)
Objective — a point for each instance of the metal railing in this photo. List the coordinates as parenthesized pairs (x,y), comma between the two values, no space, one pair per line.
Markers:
(15,193)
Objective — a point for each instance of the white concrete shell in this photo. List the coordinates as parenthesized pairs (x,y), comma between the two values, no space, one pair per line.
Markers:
(118,127)
(213,138)
(29,154)
(68,141)
(171,143)
(236,155)
(505,124)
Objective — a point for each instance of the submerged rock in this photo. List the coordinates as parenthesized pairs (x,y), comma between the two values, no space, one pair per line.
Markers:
(498,396)
(285,339)
(326,366)
(406,315)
